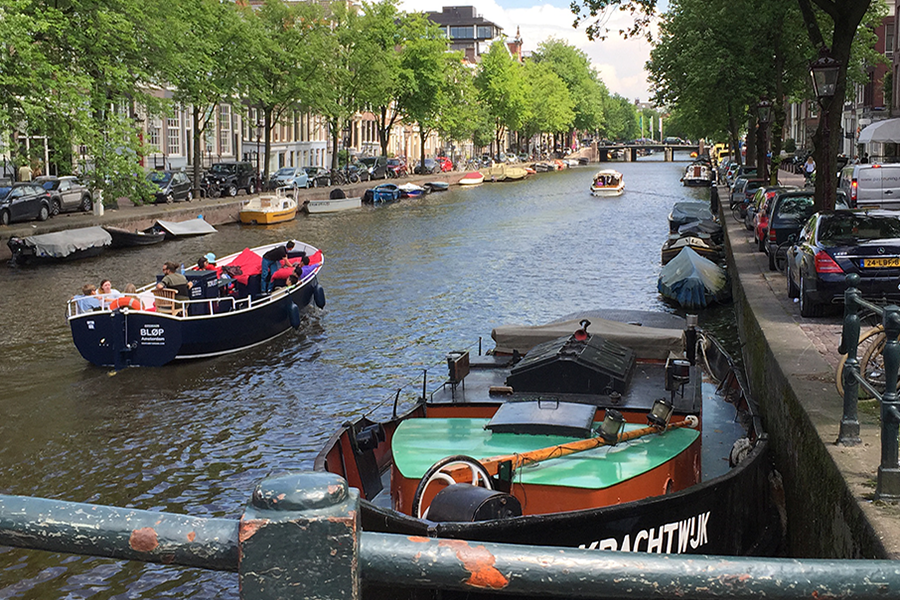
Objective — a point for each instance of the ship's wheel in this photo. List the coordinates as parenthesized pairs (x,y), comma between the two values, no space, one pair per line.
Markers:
(435,472)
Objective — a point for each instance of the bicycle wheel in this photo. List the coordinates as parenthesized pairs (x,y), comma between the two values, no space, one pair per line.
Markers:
(781,257)
(868,340)
(736,213)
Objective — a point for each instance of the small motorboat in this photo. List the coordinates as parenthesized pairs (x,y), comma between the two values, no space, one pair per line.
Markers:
(437,186)
(698,174)
(123,238)
(188,228)
(382,194)
(693,281)
(70,244)
(268,209)
(472,178)
(315,207)
(226,312)
(411,190)
(688,212)
(600,438)
(608,183)
(701,244)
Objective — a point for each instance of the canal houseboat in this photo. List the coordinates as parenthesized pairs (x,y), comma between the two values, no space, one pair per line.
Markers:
(602,436)
(226,312)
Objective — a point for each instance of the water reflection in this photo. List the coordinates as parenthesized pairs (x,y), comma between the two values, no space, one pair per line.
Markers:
(405,284)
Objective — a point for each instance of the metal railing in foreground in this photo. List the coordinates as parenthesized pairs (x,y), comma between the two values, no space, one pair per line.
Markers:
(888,486)
(300,537)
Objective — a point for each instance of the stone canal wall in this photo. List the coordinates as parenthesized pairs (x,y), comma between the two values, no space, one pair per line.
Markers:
(790,367)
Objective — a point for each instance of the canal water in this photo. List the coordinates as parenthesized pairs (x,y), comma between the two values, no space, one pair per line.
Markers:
(405,284)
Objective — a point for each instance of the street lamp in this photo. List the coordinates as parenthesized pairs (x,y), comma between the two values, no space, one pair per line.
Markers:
(764,116)
(824,72)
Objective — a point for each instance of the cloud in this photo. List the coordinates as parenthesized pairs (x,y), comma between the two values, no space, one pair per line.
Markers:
(619,62)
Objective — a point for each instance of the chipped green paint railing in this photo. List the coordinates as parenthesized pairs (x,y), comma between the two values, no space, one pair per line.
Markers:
(300,537)
(888,486)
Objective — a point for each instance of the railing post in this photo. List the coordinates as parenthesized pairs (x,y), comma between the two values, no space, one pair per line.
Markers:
(849,433)
(300,539)
(888,486)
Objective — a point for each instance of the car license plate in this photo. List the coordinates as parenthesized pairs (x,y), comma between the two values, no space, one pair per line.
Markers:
(875,263)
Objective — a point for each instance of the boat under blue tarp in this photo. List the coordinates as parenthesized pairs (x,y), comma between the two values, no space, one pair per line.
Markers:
(693,281)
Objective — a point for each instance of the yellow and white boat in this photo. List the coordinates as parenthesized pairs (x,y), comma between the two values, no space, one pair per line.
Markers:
(266,209)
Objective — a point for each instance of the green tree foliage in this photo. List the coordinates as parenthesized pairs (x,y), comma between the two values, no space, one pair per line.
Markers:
(550,107)
(286,68)
(621,121)
(500,88)
(585,87)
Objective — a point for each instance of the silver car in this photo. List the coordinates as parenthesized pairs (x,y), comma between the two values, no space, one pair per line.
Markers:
(290,177)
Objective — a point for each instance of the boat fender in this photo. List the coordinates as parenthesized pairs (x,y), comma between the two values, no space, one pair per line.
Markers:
(294,315)
(739,451)
(692,421)
(125,302)
(319,294)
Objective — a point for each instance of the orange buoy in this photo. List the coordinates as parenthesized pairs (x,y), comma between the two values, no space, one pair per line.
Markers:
(123,301)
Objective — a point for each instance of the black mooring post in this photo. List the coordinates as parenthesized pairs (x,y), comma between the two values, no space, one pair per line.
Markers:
(849,432)
(888,486)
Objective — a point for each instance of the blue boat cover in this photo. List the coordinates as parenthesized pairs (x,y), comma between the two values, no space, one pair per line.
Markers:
(692,281)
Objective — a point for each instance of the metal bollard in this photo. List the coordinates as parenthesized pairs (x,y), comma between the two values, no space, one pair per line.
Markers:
(300,539)
(849,432)
(888,486)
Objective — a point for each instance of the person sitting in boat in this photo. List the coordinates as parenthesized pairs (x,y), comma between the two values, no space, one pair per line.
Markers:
(207,262)
(88,299)
(271,261)
(172,279)
(106,292)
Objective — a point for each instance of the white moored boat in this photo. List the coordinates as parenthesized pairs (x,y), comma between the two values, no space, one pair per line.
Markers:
(472,178)
(608,182)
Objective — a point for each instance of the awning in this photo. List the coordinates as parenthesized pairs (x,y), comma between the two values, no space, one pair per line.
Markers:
(885,131)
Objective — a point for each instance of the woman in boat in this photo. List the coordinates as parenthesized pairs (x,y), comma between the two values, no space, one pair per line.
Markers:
(107,293)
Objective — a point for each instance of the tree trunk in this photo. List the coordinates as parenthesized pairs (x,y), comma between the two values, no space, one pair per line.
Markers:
(195,115)
(422,135)
(751,141)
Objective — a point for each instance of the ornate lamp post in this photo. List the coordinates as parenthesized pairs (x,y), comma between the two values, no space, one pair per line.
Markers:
(764,117)
(824,72)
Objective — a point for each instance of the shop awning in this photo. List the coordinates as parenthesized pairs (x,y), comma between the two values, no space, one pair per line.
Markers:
(881,132)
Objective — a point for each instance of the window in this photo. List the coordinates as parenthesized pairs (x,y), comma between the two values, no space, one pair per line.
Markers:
(173,134)
(224,129)
(153,133)
(485,32)
(464,33)
(889,40)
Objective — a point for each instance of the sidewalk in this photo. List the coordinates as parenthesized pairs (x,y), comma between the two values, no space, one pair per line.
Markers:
(791,363)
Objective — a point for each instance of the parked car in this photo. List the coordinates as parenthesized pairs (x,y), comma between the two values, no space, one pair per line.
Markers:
(790,211)
(232,177)
(397,167)
(743,191)
(430,167)
(758,212)
(445,163)
(290,177)
(24,202)
(377,166)
(173,186)
(359,170)
(871,186)
(66,193)
(318,177)
(833,244)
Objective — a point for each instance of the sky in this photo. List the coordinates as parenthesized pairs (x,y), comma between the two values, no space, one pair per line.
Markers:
(619,62)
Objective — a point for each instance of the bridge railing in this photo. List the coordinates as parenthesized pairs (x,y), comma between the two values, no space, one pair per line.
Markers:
(300,537)
(888,486)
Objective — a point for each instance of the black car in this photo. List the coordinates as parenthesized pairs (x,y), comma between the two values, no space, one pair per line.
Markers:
(318,177)
(66,194)
(23,202)
(377,166)
(231,177)
(789,211)
(173,186)
(431,167)
(834,244)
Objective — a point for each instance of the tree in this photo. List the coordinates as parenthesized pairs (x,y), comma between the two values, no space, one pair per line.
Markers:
(211,58)
(500,88)
(550,107)
(427,89)
(287,70)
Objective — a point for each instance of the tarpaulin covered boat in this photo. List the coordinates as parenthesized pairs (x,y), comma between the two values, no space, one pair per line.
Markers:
(60,245)
(189,227)
(693,281)
(582,442)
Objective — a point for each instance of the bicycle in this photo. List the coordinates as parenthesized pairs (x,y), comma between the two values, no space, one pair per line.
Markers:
(337,177)
(871,362)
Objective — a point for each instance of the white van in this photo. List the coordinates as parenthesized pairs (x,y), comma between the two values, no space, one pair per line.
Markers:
(872,186)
